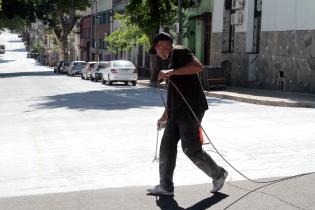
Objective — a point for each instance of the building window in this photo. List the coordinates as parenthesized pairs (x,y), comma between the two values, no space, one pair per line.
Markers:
(104,19)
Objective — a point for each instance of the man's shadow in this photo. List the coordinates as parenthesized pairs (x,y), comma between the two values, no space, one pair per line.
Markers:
(169,203)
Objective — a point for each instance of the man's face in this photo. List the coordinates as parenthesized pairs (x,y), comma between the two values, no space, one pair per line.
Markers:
(162,49)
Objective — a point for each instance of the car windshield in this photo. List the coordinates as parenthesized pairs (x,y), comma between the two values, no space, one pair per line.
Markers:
(123,64)
(78,65)
(66,63)
(102,65)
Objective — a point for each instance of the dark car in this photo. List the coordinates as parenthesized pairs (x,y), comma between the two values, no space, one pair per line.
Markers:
(58,65)
(2,49)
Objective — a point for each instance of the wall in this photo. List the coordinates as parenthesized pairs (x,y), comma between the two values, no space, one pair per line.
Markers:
(286,59)
(286,15)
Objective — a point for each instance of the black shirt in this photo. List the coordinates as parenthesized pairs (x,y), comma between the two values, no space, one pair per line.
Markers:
(189,86)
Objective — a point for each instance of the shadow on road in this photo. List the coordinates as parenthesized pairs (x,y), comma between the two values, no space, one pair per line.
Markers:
(17,50)
(114,99)
(121,98)
(6,61)
(24,74)
(169,203)
(17,40)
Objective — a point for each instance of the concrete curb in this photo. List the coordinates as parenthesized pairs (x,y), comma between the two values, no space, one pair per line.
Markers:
(256,99)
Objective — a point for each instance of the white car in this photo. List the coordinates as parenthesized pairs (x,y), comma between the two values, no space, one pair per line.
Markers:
(120,71)
(99,67)
(86,72)
(75,68)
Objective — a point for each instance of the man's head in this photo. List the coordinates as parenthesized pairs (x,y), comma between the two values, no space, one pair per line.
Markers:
(162,45)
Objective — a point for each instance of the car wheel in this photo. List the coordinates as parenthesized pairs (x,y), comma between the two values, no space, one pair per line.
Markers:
(103,81)
(82,76)
(108,82)
(126,83)
(92,79)
(134,83)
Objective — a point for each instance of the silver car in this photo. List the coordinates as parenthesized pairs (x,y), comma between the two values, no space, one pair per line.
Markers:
(96,73)
(86,72)
(75,68)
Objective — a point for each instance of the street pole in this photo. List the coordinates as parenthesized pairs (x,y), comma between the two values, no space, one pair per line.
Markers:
(91,38)
(96,34)
(180,27)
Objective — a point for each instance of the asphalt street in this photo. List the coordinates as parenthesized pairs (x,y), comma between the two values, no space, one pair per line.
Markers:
(68,143)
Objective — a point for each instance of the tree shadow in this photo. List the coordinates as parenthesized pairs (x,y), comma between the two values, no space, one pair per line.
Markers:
(16,40)
(17,50)
(120,98)
(25,74)
(6,61)
(169,203)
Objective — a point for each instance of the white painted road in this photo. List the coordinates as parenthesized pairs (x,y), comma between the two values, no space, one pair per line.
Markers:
(64,134)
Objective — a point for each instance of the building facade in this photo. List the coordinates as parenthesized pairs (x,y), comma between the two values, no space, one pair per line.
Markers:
(198,36)
(101,14)
(265,44)
(85,37)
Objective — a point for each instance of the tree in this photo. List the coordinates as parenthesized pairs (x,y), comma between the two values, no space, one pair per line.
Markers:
(60,17)
(126,36)
(15,14)
(149,16)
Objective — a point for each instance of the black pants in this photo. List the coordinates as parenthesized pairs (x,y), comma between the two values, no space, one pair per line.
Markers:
(187,129)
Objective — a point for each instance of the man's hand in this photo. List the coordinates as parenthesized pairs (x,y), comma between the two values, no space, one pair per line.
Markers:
(164,74)
(162,120)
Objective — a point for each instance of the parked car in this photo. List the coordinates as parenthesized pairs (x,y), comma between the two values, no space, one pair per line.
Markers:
(64,67)
(58,66)
(96,73)
(2,49)
(86,72)
(75,68)
(120,71)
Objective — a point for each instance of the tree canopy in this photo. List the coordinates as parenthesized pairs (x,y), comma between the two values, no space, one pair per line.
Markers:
(126,36)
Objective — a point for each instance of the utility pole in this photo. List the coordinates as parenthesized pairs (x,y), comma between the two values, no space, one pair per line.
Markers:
(91,38)
(180,24)
(96,34)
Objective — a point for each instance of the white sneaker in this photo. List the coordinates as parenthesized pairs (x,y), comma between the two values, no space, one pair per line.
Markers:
(158,190)
(218,184)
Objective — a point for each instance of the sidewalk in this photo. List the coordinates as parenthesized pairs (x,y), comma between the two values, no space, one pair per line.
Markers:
(260,96)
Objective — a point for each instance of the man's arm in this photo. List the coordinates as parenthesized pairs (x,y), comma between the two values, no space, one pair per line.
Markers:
(193,67)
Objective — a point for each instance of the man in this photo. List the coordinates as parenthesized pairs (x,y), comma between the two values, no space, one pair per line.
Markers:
(180,122)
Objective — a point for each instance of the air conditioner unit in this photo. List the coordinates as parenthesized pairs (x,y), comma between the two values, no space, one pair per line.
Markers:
(238,4)
(237,18)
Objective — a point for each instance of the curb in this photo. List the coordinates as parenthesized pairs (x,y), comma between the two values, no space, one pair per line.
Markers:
(253,99)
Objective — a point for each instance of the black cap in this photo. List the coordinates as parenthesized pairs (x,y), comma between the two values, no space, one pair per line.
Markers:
(160,37)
